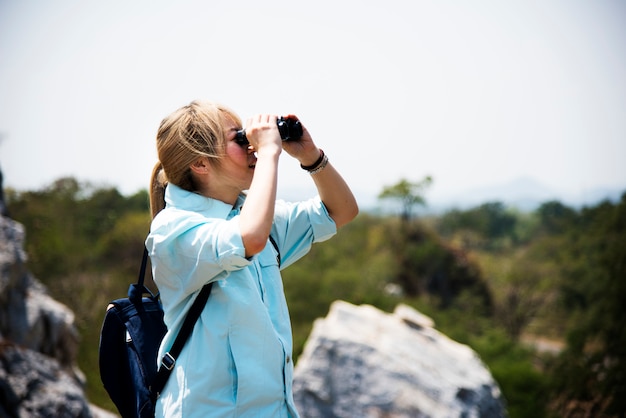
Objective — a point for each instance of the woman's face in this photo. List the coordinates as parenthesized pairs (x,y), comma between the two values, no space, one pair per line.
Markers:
(237,168)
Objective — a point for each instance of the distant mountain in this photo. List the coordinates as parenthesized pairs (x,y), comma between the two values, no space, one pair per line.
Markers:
(527,195)
(523,193)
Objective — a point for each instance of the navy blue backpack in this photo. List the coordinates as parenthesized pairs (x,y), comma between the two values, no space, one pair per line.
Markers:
(130,337)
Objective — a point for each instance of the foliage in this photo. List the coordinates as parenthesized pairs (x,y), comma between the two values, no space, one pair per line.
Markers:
(488,226)
(565,278)
(522,286)
(64,222)
(490,277)
(410,194)
(555,217)
(510,363)
(590,376)
(426,265)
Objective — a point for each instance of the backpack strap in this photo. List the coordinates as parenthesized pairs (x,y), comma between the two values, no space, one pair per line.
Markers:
(169,359)
(137,290)
(277,250)
(142,269)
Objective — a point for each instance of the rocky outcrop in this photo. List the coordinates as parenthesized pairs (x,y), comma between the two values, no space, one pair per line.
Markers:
(38,342)
(362,362)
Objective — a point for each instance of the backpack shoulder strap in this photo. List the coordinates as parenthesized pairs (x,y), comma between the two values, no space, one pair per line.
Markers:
(136,291)
(142,269)
(277,250)
(169,359)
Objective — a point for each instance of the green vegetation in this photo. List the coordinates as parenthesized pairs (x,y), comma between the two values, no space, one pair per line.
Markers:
(506,283)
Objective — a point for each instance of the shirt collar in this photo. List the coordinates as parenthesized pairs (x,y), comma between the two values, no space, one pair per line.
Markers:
(178,198)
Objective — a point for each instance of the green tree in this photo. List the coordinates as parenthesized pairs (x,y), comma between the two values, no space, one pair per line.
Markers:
(555,217)
(410,194)
(486,226)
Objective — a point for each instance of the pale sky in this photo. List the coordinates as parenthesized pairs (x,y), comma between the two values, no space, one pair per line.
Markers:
(473,93)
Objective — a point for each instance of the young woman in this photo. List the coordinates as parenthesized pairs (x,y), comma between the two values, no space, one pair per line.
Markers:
(214,208)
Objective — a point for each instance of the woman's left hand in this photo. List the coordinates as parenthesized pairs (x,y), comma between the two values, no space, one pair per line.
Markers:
(304,149)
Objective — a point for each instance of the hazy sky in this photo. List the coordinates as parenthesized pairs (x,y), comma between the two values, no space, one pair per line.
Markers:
(473,93)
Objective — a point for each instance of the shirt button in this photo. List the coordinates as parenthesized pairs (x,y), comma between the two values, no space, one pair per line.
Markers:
(288,359)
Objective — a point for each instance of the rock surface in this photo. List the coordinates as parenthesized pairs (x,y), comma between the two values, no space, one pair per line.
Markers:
(38,342)
(362,362)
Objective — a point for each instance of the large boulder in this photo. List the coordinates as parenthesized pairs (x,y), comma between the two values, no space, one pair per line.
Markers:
(362,362)
(38,342)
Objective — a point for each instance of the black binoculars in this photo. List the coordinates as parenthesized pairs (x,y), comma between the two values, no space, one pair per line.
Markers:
(290,130)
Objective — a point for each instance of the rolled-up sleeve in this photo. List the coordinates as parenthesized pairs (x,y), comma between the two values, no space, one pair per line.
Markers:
(299,225)
(323,225)
(195,250)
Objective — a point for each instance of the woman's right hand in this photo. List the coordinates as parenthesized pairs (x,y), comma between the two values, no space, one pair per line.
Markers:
(262,133)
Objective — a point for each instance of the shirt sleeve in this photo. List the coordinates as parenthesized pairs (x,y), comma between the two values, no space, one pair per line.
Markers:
(298,225)
(195,250)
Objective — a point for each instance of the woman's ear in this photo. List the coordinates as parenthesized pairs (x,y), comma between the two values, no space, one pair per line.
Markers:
(200,166)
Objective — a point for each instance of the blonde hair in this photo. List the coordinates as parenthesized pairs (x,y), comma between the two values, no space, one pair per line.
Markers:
(191,132)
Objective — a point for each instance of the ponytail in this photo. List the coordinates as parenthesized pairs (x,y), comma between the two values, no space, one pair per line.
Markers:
(158,181)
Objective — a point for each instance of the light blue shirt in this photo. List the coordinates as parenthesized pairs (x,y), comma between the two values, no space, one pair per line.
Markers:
(237,362)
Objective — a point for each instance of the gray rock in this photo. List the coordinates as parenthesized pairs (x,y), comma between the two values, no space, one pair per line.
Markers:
(29,317)
(34,385)
(362,362)
(38,342)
